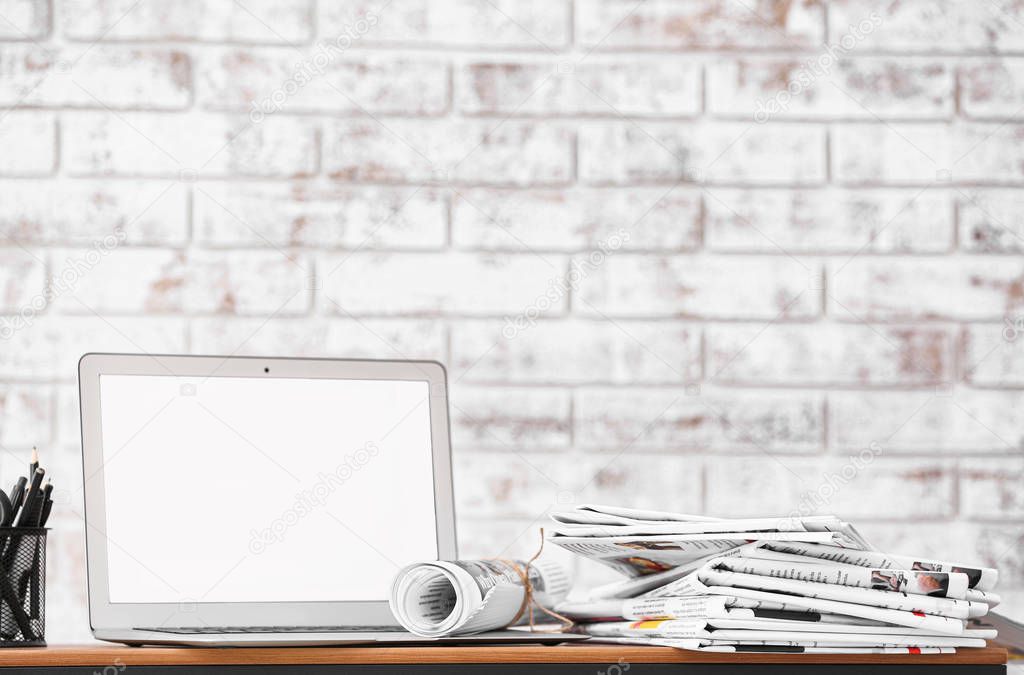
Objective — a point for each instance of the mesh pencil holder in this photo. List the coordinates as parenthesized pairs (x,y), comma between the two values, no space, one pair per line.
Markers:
(22,586)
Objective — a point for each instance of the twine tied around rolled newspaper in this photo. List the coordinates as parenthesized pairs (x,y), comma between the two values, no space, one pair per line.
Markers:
(529,602)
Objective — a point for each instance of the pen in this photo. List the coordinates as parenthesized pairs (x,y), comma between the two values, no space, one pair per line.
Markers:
(33,509)
(36,479)
(44,513)
(30,511)
(18,496)
(34,462)
(34,579)
(21,618)
(47,507)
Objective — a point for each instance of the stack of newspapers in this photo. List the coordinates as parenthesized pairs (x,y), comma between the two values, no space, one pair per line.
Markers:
(793,584)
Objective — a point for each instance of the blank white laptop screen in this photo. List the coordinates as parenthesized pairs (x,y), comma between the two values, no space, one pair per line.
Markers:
(235,489)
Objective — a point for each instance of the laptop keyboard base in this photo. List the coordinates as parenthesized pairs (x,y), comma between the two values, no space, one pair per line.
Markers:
(236,630)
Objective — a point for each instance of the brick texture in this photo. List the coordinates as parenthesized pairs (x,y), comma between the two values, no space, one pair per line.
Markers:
(695,24)
(29,140)
(681,254)
(82,211)
(698,418)
(440,284)
(663,219)
(988,489)
(867,88)
(918,154)
(506,418)
(509,153)
(102,77)
(25,414)
(258,21)
(48,347)
(693,286)
(875,289)
(993,354)
(992,88)
(991,220)
(944,26)
(319,337)
(649,87)
(24,19)
(510,24)
(621,152)
(186,146)
(318,213)
(22,282)
(559,352)
(943,419)
(156,281)
(853,355)
(263,80)
(916,489)
(830,221)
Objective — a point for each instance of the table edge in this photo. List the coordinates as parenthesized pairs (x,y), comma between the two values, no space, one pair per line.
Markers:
(70,655)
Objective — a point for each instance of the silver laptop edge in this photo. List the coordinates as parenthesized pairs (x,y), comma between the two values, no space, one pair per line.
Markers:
(120,622)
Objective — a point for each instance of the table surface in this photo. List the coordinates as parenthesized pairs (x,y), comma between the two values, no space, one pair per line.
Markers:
(102,655)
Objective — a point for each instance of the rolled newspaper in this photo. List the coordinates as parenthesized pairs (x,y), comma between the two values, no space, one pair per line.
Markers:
(462,597)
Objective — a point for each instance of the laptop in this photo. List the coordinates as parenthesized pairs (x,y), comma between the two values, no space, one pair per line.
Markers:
(261,501)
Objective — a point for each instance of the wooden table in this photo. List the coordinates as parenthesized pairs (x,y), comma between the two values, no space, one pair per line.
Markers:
(477,660)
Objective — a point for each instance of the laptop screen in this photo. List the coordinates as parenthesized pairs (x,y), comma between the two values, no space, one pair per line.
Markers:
(239,489)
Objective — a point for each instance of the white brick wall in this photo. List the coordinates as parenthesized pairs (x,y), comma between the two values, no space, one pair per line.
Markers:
(692,247)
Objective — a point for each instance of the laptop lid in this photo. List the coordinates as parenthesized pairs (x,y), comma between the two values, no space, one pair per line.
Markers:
(241,491)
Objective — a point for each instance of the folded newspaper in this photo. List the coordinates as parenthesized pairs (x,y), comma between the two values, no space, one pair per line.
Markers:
(808,584)
(464,597)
